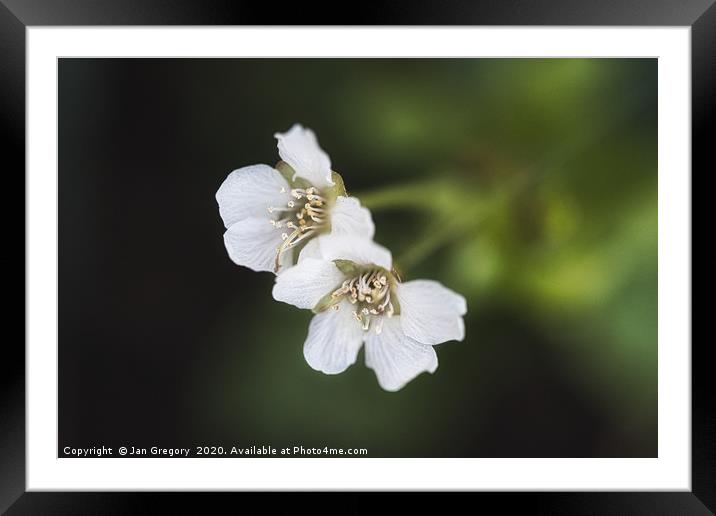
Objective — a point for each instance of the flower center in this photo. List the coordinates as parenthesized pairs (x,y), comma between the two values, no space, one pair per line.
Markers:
(369,292)
(301,220)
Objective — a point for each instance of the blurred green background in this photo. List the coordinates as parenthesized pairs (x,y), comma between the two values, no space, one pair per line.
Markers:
(527,185)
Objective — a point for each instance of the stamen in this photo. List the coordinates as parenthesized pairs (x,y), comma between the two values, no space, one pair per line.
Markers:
(379,294)
(315,198)
(386,301)
(309,217)
(287,239)
(305,234)
(379,326)
(279,223)
(370,291)
(272,209)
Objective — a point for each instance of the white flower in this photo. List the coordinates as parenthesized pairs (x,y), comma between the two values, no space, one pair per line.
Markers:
(269,212)
(357,299)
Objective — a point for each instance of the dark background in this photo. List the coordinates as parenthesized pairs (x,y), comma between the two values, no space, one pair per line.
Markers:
(163,341)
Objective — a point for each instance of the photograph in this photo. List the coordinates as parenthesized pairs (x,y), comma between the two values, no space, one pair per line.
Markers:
(357,257)
(418,249)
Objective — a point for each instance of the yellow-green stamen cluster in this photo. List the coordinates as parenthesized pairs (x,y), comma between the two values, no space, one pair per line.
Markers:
(304,219)
(369,292)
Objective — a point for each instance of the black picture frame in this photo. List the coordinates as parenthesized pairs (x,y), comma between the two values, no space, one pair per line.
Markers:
(17,15)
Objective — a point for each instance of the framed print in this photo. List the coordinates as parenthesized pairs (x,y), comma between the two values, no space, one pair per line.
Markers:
(429,251)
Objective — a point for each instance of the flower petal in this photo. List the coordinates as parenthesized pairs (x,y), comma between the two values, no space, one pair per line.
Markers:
(395,357)
(253,243)
(348,217)
(431,313)
(311,250)
(334,339)
(299,148)
(304,284)
(360,250)
(249,191)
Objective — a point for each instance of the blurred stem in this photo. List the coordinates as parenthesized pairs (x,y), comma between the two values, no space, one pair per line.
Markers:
(420,195)
(458,208)
(454,210)
(436,236)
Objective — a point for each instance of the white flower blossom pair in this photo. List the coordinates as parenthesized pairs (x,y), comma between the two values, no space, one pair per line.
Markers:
(297,221)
